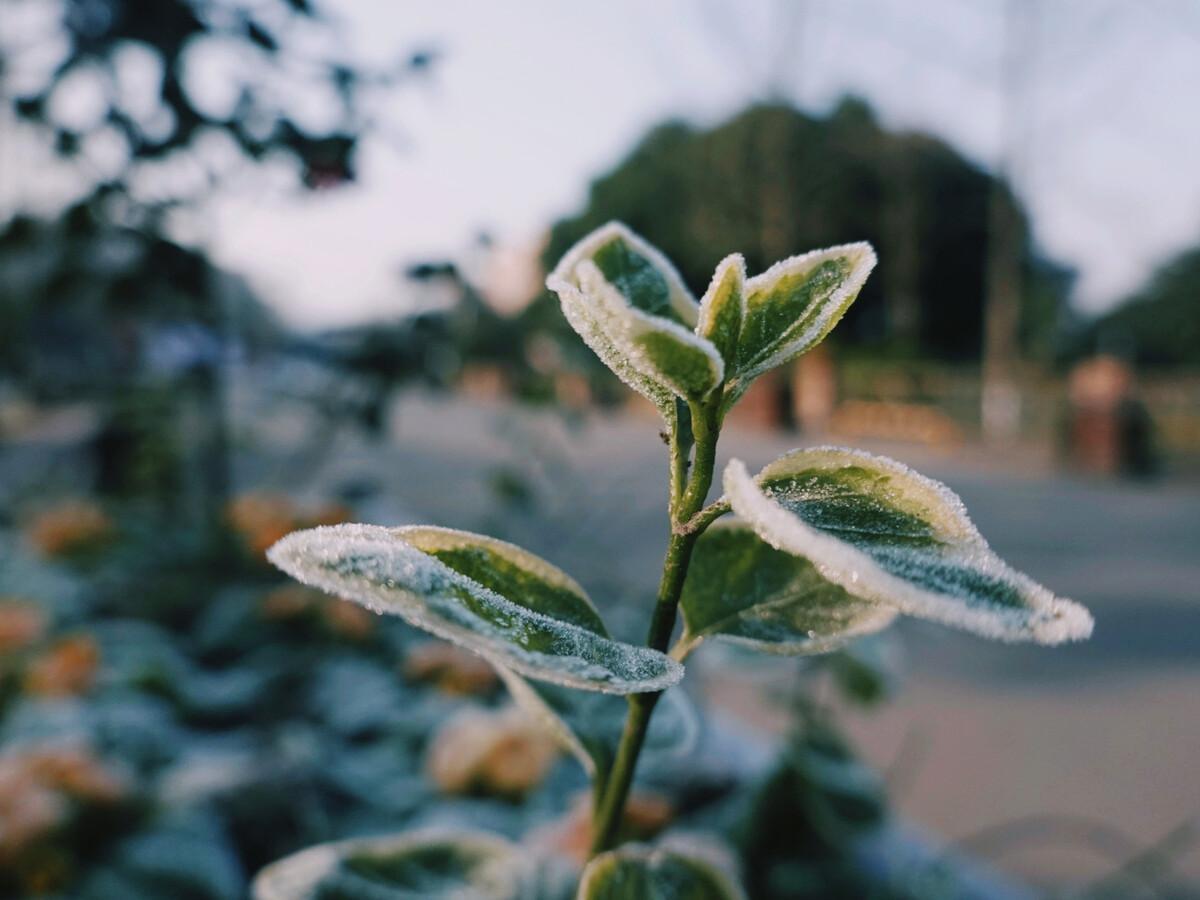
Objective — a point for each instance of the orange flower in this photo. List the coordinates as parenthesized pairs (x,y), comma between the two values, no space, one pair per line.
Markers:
(67,667)
(76,772)
(289,601)
(69,527)
(645,816)
(35,787)
(348,620)
(21,623)
(498,752)
(450,669)
(261,518)
(28,811)
(329,514)
(249,512)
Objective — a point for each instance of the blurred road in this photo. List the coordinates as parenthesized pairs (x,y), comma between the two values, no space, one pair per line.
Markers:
(1104,736)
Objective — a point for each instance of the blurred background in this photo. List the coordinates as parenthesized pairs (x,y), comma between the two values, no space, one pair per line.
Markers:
(272,263)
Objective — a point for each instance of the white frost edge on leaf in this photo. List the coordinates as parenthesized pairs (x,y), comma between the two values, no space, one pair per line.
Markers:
(1046,619)
(689,640)
(623,325)
(297,876)
(679,296)
(455,539)
(301,553)
(862,261)
(651,858)
(736,262)
(585,319)
(943,508)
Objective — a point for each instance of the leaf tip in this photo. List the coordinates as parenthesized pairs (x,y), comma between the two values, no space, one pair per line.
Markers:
(1065,622)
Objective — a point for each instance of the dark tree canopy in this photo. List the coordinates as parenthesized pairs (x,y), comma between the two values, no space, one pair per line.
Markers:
(1160,324)
(774,181)
(271,63)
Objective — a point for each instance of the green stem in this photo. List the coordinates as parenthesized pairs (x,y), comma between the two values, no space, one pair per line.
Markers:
(608,812)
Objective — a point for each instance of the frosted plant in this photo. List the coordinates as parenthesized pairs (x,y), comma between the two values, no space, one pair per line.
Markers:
(827,545)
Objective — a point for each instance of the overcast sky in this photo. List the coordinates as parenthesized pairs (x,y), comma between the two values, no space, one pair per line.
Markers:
(533,98)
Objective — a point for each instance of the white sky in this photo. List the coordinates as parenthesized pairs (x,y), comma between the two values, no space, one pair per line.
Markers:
(533,98)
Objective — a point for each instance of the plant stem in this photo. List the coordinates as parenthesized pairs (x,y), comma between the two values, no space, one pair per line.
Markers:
(609,810)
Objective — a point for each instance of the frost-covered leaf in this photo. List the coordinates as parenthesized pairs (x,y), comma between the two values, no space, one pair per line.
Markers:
(628,303)
(721,308)
(887,534)
(420,864)
(742,589)
(588,725)
(640,873)
(789,308)
(506,604)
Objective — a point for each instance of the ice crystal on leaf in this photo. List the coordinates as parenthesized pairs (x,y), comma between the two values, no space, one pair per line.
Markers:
(886,534)
(629,305)
(511,607)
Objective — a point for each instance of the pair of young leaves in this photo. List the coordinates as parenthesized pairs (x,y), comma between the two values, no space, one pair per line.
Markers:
(630,305)
(464,865)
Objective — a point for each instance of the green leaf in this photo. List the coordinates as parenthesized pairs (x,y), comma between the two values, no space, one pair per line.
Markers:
(721,308)
(742,589)
(792,306)
(511,607)
(588,725)
(889,535)
(646,280)
(412,866)
(631,307)
(639,873)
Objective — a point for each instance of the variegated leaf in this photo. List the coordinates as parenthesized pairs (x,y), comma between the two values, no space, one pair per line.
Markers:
(721,308)
(886,534)
(631,307)
(419,865)
(791,307)
(498,600)
(641,873)
(742,589)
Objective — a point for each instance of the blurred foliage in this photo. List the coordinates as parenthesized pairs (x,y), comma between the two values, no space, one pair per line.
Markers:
(91,306)
(150,105)
(774,181)
(278,60)
(818,799)
(1160,324)
(174,715)
(429,347)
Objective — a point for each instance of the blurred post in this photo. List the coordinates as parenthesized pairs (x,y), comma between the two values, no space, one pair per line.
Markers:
(814,390)
(1109,431)
(1000,412)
